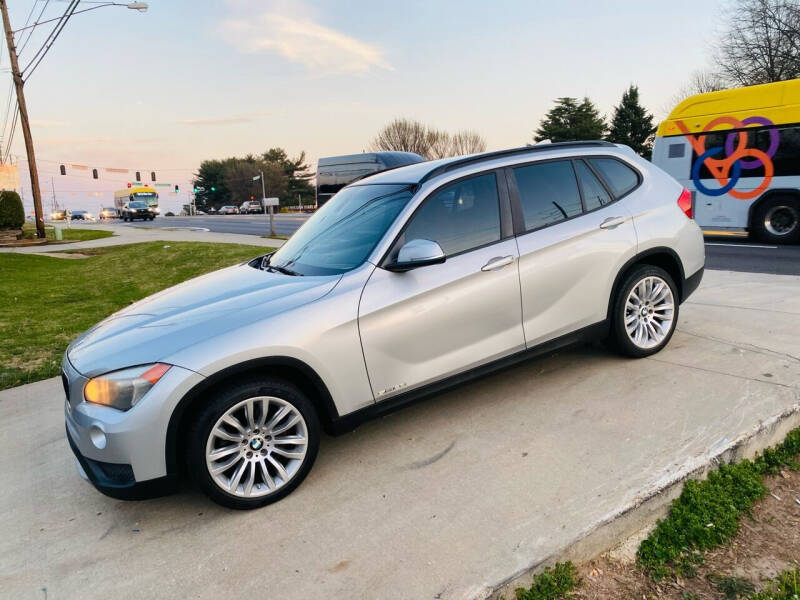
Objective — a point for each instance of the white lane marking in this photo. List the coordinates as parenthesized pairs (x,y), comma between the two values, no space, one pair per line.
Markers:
(738,245)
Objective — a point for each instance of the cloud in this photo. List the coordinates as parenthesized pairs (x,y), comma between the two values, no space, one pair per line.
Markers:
(300,40)
(229,120)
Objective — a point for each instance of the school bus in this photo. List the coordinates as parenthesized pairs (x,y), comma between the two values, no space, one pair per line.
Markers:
(143,193)
(738,152)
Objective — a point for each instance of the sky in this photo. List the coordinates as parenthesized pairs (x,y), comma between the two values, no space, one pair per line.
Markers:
(193,80)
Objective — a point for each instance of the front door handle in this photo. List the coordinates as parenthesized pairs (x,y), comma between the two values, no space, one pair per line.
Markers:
(498,262)
(612,222)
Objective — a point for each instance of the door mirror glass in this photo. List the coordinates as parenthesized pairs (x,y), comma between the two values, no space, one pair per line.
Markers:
(417,253)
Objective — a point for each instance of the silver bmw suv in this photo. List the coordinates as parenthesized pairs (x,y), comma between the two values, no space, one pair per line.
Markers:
(405,283)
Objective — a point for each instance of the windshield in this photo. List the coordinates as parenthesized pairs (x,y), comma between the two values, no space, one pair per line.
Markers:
(150,199)
(137,204)
(341,234)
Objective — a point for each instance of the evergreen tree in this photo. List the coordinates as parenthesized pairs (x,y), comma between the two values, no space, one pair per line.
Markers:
(632,125)
(569,120)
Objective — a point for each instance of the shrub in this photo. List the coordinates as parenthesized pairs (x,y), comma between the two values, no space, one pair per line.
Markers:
(12,216)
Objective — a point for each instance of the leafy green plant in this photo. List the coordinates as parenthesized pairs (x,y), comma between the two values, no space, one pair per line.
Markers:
(707,513)
(555,582)
(12,215)
(732,588)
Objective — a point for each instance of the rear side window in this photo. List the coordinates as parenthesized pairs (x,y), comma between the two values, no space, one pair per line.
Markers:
(620,177)
(548,193)
(594,194)
(459,217)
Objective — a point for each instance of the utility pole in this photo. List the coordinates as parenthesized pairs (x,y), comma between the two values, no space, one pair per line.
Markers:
(264,202)
(23,117)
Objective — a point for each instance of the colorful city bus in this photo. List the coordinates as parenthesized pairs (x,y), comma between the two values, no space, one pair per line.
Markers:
(134,192)
(738,151)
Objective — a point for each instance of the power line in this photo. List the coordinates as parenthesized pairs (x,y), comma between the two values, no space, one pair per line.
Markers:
(11,133)
(48,42)
(30,31)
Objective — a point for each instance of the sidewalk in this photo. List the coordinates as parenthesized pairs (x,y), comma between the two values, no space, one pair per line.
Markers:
(133,235)
(449,498)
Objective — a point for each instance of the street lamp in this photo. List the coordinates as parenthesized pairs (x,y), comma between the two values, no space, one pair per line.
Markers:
(264,202)
(19,82)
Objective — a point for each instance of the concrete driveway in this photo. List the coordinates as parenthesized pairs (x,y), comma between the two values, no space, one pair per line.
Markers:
(445,499)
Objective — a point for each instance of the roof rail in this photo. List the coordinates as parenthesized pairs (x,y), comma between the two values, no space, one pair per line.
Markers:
(467,160)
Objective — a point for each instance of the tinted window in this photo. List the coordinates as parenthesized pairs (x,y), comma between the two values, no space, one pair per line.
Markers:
(459,217)
(617,175)
(548,193)
(137,204)
(785,160)
(594,194)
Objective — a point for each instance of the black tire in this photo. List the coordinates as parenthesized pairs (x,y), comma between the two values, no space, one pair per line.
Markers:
(619,337)
(219,402)
(777,220)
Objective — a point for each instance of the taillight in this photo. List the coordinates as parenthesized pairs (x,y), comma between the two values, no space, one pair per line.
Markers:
(685,202)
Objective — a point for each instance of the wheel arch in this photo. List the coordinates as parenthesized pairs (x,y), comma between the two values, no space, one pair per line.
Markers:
(288,368)
(768,195)
(662,257)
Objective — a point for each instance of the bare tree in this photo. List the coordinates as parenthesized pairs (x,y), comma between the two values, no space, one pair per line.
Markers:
(761,43)
(467,142)
(700,82)
(413,136)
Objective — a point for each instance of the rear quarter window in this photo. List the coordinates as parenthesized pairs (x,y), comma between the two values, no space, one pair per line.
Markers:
(619,177)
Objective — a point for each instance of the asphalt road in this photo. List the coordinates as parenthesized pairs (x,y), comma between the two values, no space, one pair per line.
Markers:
(246,224)
(723,253)
(726,254)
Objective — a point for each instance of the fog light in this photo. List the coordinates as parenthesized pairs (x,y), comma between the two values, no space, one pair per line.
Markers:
(98,437)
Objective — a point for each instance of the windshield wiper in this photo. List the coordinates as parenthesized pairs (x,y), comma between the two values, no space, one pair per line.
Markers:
(283,270)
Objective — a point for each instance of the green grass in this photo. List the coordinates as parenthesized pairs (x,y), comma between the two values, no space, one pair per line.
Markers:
(46,302)
(707,513)
(785,587)
(72,234)
(553,583)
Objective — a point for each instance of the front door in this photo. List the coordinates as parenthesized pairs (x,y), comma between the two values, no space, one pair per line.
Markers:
(431,322)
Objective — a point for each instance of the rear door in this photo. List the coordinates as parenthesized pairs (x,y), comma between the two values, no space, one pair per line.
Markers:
(431,322)
(575,236)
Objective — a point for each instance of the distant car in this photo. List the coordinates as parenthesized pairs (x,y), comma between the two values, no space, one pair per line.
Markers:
(58,215)
(251,207)
(137,209)
(169,214)
(228,210)
(108,213)
(81,215)
(200,212)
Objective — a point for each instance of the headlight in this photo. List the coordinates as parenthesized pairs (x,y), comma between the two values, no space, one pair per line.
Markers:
(123,389)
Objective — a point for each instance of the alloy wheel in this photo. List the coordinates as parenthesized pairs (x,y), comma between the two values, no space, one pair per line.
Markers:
(781,220)
(649,310)
(256,447)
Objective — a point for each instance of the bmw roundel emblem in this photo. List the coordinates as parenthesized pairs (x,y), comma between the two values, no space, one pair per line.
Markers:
(256,444)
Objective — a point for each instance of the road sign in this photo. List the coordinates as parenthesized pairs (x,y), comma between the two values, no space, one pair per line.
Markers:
(269,202)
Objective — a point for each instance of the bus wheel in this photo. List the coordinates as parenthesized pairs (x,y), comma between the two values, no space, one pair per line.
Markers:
(777,220)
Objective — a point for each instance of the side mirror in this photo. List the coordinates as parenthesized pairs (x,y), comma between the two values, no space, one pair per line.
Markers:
(417,253)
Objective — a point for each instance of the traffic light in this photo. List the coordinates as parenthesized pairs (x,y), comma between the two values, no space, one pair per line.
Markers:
(176,188)
(138,176)
(252,197)
(194,191)
(153,175)
(129,185)
(63,170)
(213,189)
(94,174)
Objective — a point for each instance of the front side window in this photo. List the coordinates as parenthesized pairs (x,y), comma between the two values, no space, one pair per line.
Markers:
(341,234)
(460,216)
(594,194)
(618,176)
(548,193)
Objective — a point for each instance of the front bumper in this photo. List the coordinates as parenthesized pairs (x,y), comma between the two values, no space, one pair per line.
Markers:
(123,453)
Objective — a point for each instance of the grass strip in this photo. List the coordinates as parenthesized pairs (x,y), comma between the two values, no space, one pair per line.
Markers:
(784,587)
(46,302)
(708,513)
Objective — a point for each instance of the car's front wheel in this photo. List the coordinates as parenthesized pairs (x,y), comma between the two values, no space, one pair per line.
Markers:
(253,443)
(645,311)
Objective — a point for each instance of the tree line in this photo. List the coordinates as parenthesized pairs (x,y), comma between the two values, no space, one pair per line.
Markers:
(232,181)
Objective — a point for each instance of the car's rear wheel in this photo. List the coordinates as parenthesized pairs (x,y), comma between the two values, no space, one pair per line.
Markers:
(253,443)
(645,311)
(777,220)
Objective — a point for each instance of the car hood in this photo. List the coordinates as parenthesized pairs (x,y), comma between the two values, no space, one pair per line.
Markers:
(199,309)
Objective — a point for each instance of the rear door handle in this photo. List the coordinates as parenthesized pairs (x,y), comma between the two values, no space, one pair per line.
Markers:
(612,222)
(498,262)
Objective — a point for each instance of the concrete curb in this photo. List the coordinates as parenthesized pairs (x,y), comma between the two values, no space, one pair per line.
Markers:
(639,517)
